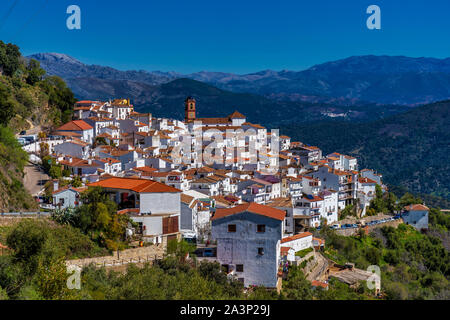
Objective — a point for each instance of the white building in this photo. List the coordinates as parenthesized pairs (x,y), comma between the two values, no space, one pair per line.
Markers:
(248,242)
(155,206)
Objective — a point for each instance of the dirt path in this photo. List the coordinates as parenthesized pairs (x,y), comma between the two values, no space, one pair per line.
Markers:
(34,179)
(33,129)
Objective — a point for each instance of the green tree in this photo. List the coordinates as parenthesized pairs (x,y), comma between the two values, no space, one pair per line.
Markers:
(9,58)
(7,108)
(35,72)
(55,171)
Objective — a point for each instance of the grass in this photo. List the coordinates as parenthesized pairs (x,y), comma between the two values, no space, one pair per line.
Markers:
(304,252)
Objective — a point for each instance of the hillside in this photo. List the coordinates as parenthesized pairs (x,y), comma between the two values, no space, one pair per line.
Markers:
(359,80)
(167,100)
(26,100)
(410,149)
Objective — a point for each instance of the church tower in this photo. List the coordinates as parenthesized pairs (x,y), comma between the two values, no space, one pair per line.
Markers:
(189,109)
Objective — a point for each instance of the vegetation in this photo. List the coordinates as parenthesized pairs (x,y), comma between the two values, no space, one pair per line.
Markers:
(410,149)
(304,252)
(36,269)
(413,265)
(12,162)
(27,98)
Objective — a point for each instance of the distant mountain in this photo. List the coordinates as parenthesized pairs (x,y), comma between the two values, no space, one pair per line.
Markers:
(356,80)
(410,149)
(167,100)
(67,67)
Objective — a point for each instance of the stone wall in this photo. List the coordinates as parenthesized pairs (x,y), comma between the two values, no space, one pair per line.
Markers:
(137,255)
(354,231)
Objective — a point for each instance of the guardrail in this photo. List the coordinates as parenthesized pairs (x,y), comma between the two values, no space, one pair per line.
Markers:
(22,214)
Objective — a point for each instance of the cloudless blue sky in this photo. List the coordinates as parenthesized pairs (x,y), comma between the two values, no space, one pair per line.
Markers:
(226,35)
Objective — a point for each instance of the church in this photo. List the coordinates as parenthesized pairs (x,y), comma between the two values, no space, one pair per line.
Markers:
(236,119)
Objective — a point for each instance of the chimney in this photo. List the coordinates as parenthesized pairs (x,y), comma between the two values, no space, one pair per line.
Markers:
(70,159)
(55,185)
(89,161)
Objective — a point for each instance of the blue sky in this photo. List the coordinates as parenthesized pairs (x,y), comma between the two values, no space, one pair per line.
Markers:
(231,36)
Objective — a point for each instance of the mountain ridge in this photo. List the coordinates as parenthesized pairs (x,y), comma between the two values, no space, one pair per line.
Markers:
(350,81)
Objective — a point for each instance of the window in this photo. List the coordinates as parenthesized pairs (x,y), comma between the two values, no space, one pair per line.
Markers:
(260,251)
(239,268)
(231,228)
(261,228)
(241,280)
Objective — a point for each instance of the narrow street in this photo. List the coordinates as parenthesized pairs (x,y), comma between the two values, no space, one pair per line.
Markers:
(35,179)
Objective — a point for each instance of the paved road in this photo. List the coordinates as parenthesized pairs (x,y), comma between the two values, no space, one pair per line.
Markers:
(34,179)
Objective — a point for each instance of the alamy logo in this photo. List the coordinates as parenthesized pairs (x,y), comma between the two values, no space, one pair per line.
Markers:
(74,280)
(374,21)
(232,147)
(374,281)
(74,20)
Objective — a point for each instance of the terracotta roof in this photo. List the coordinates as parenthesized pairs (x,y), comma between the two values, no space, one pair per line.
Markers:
(129,210)
(316,283)
(366,180)
(284,250)
(67,134)
(146,169)
(186,199)
(133,184)
(253,208)
(76,162)
(319,241)
(79,190)
(236,115)
(296,237)
(213,120)
(417,207)
(76,125)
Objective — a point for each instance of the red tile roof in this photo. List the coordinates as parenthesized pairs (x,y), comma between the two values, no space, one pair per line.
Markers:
(366,180)
(130,210)
(285,250)
(136,185)
(236,115)
(316,283)
(253,208)
(296,237)
(76,125)
(417,207)
(146,169)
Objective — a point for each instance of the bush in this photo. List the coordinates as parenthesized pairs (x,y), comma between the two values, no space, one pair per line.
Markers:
(304,252)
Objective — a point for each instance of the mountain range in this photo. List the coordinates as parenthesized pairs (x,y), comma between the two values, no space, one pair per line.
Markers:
(358,80)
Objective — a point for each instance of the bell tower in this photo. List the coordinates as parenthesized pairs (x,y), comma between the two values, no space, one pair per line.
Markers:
(189,109)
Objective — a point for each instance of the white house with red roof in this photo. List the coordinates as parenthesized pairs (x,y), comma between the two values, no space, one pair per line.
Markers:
(84,109)
(77,166)
(366,193)
(249,241)
(416,215)
(67,197)
(153,205)
(298,242)
(109,165)
(74,148)
(81,127)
